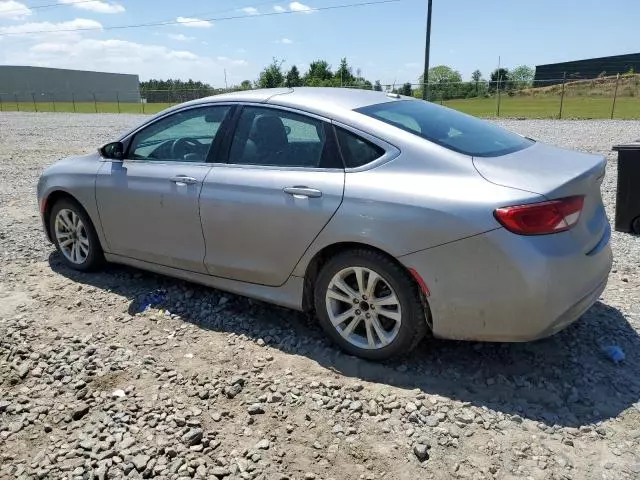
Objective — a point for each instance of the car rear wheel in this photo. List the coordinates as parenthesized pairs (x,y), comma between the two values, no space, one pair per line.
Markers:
(369,305)
(74,236)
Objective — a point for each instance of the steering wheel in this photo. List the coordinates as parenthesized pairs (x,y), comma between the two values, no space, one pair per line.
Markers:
(183,146)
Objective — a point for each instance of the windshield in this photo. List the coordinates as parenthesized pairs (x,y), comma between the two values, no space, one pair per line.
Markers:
(451,129)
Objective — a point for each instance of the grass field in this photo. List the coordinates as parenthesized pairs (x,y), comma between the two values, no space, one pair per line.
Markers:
(85,107)
(575,107)
(549,107)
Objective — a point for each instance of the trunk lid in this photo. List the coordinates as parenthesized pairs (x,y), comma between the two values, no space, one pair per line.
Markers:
(555,173)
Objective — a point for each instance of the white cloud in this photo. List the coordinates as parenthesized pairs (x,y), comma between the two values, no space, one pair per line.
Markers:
(231,61)
(97,6)
(114,55)
(193,22)
(77,50)
(179,37)
(250,10)
(181,55)
(108,50)
(285,41)
(299,7)
(14,10)
(279,9)
(48,30)
(50,47)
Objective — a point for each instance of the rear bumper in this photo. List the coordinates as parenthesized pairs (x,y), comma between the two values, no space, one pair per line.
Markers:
(575,311)
(503,287)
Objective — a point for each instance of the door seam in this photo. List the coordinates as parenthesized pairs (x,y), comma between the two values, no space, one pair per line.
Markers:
(204,240)
(95,199)
(344,181)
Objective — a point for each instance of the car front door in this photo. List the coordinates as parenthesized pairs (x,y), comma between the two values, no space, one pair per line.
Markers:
(261,210)
(148,202)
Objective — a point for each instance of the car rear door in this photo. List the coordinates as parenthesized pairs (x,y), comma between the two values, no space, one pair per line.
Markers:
(148,202)
(262,209)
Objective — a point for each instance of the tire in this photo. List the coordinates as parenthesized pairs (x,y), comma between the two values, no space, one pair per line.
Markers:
(364,341)
(635,226)
(89,252)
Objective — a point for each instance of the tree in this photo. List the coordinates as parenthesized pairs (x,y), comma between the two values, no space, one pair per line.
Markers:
(499,79)
(444,74)
(293,78)
(522,76)
(444,82)
(344,73)
(363,83)
(271,76)
(476,76)
(318,75)
(405,90)
(174,90)
(377,87)
(245,85)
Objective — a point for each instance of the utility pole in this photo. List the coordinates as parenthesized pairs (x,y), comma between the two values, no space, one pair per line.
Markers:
(498,92)
(226,87)
(425,76)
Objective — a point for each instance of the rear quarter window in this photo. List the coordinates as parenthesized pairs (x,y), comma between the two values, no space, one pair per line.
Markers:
(356,151)
(446,127)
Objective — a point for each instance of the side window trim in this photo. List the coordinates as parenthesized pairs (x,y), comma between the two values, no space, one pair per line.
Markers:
(232,128)
(127,140)
(216,153)
(227,139)
(391,151)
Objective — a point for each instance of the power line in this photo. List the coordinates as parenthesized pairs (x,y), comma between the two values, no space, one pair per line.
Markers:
(71,4)
(49,5)
(198,20)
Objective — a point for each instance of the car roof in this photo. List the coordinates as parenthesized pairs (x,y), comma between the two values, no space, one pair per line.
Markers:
(325,101)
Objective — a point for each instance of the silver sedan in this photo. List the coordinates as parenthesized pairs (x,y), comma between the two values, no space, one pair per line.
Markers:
(391,218)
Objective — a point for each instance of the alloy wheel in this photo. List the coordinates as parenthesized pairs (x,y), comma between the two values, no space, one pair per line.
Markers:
(363,308)
(72,236)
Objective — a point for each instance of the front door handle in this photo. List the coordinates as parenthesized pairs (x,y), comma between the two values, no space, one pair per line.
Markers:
(303,192)
(183,179)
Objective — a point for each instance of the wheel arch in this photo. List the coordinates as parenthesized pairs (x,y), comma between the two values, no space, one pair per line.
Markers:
(322,257)
(50,200)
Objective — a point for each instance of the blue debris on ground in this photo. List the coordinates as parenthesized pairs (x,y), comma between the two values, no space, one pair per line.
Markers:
(153,299)
(614,352)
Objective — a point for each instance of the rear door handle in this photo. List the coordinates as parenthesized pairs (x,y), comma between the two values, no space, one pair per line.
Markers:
(303,192)
(183,179)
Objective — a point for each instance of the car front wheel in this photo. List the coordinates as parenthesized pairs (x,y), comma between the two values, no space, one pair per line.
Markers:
(74,236)
(369,305)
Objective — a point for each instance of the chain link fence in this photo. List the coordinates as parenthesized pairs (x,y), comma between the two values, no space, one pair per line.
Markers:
(615,97)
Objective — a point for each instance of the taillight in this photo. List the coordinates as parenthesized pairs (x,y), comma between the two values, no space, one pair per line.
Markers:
(541,218)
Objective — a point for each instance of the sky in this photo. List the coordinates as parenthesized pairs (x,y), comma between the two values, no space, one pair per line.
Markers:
(385,41)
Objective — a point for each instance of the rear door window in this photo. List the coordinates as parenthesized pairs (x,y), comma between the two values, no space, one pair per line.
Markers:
(446,127)
(273,137)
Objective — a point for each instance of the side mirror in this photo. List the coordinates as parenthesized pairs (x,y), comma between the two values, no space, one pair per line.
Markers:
(113,151)
(287,129)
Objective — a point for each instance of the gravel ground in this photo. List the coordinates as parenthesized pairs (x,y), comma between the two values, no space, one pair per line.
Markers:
(215,386)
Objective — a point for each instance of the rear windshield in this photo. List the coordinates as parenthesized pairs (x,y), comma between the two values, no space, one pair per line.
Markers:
(448,128)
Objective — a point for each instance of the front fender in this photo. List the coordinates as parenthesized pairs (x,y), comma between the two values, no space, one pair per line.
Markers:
(74,177)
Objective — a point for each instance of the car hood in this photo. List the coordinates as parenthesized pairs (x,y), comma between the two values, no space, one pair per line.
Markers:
(66,162)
